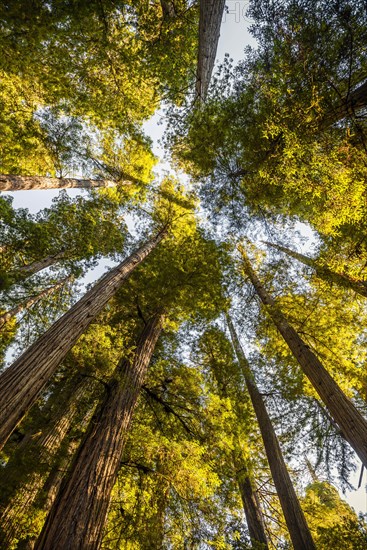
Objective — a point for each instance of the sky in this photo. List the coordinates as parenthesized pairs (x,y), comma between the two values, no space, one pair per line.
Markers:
(234,37)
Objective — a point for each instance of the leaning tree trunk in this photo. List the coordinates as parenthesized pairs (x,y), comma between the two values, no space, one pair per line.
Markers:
(37,266)
(25,183)
(342,410)
(20,273)
(251,505)
(250,499)
(324,272)
(82,503)
(45,449)
(5,317)
(23,381)
(293,514)
(49,491)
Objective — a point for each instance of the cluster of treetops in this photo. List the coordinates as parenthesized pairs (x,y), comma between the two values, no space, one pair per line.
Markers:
(209,389)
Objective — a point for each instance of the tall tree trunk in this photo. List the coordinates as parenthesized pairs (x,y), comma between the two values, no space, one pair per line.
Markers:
(250,499)
(44,449)
(345,414)
(168,9)
(36,266)
(23,381)
(211,13)
(294,517)
(50,490)
(324,272)
(251,505)
(82,503)
(47,495)
(20,273)
(5,317)
(25,183)
(155,525)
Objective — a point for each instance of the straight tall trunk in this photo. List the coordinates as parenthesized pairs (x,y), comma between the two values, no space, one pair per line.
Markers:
(37,266)
(293,514)
(25,183)
(45,448)
(211,13)
(24,380)
(155,526)
(250,499)
(50,490)
(324,272)
(342,410)
(81,505)
(5,317)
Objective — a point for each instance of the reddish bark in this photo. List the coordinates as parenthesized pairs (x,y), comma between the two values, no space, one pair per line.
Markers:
(23,381)
(78,515)
(293,514)
(341,409)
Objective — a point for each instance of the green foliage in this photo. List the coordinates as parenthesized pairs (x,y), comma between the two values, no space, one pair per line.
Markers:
(277,142)
(72,71)
(79,230)
(334,523)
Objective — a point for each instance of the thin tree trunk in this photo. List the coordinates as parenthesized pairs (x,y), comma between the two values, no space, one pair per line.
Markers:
(251,505)
(25,183)
(50,490)
(155,525)
(168,9)
(47,496)
(82,503)
(38,265)
(5,317)
(294,517)
(20,273)
(250,499)
(324,272)
(45,449)
(23,381)
(345,414)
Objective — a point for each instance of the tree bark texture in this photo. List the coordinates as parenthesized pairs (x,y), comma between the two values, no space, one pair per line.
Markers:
(342,410)
(23,381)
(211,13)
(324,272)
(51,488)
(293,514)
(46,448)
(79,512)
(26,183)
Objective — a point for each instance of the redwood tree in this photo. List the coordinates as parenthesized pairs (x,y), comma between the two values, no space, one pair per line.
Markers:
(23,381)
(352,424)
(294,517)
(324,272)
(82,503)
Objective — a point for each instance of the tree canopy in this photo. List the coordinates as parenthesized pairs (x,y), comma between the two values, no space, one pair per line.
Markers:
(183,360)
